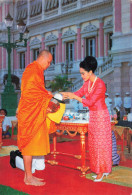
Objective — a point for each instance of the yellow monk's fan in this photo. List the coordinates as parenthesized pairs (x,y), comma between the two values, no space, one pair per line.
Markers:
(57,116)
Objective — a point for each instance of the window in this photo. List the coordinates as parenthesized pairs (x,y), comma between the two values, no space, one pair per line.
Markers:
(110,41)
(90,47)
(35,54)
(70,51)
(22,60)
(52,51)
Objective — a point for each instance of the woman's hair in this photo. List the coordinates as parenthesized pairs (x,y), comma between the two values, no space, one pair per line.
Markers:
(4,111)
(89,63)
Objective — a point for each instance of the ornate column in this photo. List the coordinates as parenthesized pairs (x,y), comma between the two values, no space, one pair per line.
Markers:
(117,16)
(131,15)
(101,37)
(60,47)
(78,42)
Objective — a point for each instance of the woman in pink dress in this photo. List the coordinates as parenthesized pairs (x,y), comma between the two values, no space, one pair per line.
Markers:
(99,134)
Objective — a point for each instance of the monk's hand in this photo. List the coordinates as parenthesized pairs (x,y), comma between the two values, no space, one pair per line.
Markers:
(49,92)
(71,95)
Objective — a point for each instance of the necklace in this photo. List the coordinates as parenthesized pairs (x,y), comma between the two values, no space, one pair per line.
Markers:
(90,88)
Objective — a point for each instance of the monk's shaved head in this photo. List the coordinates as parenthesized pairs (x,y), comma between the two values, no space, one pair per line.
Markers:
(44,59)
(44,53)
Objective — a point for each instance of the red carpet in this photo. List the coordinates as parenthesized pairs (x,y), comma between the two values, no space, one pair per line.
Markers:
(59,180)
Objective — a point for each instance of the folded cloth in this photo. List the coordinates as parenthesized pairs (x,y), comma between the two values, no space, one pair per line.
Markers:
(20,164)
(38,163)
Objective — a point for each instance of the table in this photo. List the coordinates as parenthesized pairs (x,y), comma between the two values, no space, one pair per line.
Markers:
(127,132)
(75,126)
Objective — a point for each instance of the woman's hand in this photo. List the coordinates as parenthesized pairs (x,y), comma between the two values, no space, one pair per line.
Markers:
(68,95)
(49,92)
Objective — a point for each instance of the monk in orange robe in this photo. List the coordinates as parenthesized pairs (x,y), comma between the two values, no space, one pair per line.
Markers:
(33,135)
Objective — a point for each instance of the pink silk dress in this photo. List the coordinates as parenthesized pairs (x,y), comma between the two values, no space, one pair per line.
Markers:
(99,131)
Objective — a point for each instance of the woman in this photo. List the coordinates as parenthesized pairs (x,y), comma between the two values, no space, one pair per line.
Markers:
(99,133)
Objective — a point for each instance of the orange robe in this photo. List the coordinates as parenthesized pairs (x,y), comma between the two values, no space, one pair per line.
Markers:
(33,134)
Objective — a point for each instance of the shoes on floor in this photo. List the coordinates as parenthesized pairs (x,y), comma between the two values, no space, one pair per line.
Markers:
(94,176)
(98,180)
(114,165)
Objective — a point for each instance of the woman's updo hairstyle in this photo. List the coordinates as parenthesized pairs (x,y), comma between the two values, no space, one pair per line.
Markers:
(89,63)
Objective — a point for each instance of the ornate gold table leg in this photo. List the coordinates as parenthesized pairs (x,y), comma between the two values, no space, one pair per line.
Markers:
(83,168)
(54,147)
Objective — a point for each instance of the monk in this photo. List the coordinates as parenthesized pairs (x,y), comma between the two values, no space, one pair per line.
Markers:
(33,135)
